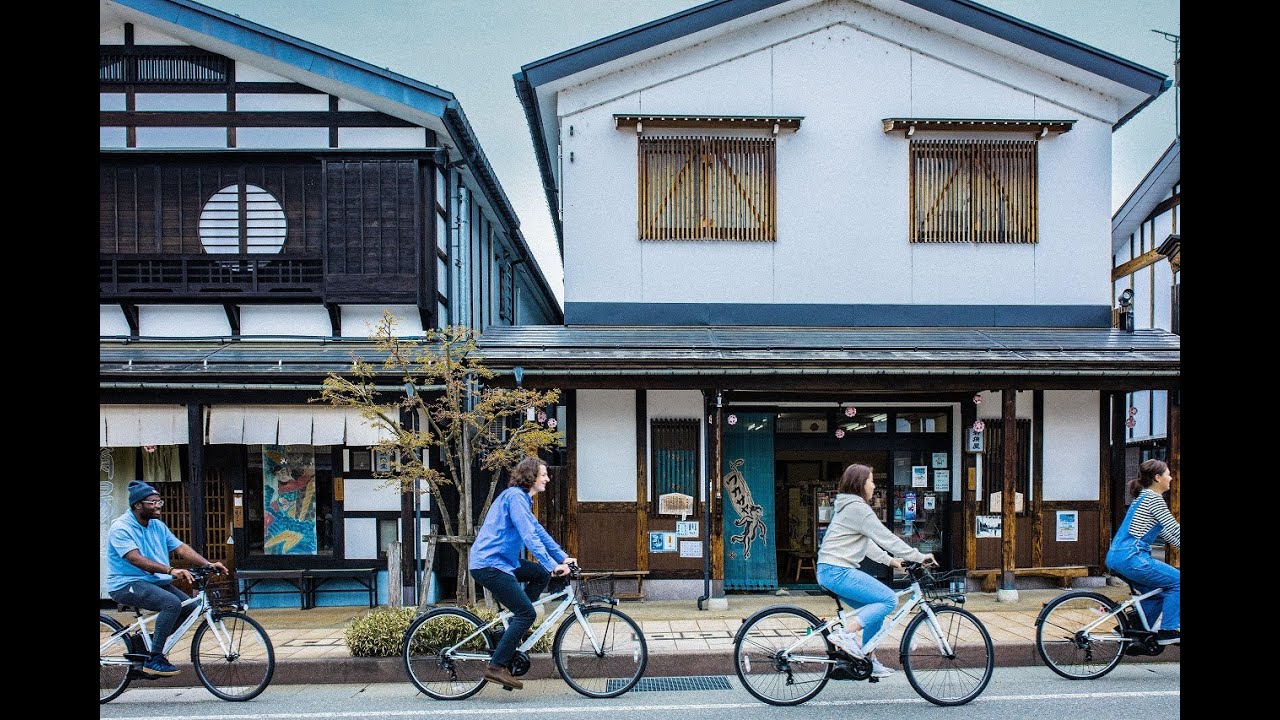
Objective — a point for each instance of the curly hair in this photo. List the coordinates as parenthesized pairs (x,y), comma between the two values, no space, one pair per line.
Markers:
(524,474)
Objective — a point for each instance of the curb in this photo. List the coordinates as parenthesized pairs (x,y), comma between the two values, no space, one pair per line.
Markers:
(353,670)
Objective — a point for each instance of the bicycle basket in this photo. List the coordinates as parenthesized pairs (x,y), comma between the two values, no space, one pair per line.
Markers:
(222,590)
(595,586)
(938,585)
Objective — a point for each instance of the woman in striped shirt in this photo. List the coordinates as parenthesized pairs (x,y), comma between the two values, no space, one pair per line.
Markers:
(1130,554)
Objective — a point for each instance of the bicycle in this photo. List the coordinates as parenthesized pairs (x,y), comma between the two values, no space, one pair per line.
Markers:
(783,654)
(231,653)
(598,650)
(1083,635)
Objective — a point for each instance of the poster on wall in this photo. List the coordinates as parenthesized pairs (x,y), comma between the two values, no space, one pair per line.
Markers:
(939,460)
(988,526)
(690,548)
(289,499)
(941,480)
(1068,525)
(686,529)
(919,476)
(662,542)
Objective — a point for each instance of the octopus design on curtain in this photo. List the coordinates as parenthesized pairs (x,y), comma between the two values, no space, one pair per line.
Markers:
(750,515)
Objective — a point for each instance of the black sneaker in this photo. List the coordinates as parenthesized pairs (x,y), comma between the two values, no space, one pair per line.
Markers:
(1169,637)
(159,666)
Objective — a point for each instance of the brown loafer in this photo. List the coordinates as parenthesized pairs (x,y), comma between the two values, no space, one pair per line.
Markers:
(503,677)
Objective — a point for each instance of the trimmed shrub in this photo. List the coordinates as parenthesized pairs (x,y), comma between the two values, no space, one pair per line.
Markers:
(380,632)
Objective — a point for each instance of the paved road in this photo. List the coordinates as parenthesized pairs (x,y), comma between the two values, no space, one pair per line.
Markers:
(1133,691)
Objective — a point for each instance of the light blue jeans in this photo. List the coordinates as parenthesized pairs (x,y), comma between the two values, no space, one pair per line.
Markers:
(873,599)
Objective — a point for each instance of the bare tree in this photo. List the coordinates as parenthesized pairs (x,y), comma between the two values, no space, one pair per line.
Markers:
(471,423)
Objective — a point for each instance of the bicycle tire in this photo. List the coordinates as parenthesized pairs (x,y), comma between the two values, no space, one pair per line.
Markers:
(942,678)
(424,642)
(618,666)
(1069,653)
(113,676)
(763,666)
(239,671)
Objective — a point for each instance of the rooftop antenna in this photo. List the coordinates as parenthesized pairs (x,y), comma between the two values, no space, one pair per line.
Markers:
(1177,79)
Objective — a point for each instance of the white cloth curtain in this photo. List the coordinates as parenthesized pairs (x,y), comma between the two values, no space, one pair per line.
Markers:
(290,425)
(137,425)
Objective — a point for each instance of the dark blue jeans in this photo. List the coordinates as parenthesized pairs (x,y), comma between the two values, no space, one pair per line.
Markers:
(166,598)
(506,589)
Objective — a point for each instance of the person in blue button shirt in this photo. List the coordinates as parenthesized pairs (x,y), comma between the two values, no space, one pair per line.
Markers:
(139,573)
(510,528)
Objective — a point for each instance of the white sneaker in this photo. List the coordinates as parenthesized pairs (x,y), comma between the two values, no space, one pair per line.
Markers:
(878,670)
(847,641)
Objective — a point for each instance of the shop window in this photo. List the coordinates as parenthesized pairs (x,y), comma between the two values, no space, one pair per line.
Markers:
(802,422)
(674,457)
(926,421)
(872,422)
(289,500)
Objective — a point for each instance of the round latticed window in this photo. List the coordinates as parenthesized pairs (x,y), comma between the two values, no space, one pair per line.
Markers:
(261,231)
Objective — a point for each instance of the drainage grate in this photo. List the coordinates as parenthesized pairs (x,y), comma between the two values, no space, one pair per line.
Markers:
(675,684)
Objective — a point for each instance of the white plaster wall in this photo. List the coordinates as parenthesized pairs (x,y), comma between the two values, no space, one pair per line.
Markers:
(842,182)
(1162,316)
(183,321)
(360,538)
(112,36)
(344,105)
(1142,421)
(360,320)
(373,137)
(992,405)
(111,102)
(111,321)
(282,137)
(297,320)
(1160,408)
(246,73)
(112,137)
(666,404)
(365,494)
(280,101)
(183,137)
(143,35)
(1071,445)
(180,101)
(606,458)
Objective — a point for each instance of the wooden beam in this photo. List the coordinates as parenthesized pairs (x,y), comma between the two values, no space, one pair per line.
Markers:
(219,118)
(571,460)
(642,486)
(1035,503)
(1126,269)
(1173,431)
(131,316)
(1008,493)
(233,317)
(335,318)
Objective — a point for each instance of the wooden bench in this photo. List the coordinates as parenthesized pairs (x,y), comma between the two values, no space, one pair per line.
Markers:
(637,575)
(317,581)
(253,578)
(1064,575)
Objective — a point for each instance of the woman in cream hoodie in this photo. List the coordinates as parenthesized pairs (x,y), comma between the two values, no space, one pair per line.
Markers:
(856,533)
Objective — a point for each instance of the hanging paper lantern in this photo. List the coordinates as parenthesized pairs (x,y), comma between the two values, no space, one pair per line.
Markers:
(977,399)
(979,426)
(839,432)
(542,417)
(1130,422)
(149,448)
(850,411)
(552,423)
(1133,412)
(733,419)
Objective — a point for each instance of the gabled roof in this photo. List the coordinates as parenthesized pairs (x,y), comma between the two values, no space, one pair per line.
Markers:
(338,74)
(1153,189)
(641,38)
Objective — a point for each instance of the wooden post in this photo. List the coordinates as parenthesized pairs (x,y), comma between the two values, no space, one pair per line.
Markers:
(432,539)
(968,480)
(1035,498)
(1008,494)
(642,485)
(1173,431)
(571,473)
(716,531)
(1116,498)
(195,477)
(395,584)
(1105,483)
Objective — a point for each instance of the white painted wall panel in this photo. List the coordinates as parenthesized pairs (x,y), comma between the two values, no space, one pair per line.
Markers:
(151,102)
(112,137)
(365,494)
(183,137)
(360,320)
(1142,421)
(606,429)
(1162,275)
(703,91)
(183,321)
(112,36)
(972,274)
(992,405)
(1160,410)
(111,102)
(282,137)
(143,35)
(1071,470)
(111,321)
(360,538)
(370,137)
(345,104)
(296,320)
(281,101)
(246,73)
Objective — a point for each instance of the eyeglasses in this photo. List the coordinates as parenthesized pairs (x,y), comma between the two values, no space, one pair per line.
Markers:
(153,503)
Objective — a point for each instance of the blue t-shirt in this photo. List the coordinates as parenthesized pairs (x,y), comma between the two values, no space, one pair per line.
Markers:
(155,541)
(509,528)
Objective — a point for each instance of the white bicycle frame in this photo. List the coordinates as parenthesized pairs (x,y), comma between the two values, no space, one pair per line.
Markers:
(204,612)
(1133,601)
(841,619)
(551,620)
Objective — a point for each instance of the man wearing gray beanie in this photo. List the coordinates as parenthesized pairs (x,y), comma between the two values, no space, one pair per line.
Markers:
(139,572)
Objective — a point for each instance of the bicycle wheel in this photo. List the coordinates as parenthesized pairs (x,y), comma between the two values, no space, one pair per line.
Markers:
(113,666)
(233,657)
(1064,645)
(947,678)
(618,665)
(438,676)
(780,656)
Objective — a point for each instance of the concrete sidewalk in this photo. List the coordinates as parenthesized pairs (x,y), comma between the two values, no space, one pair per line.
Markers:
(682,640)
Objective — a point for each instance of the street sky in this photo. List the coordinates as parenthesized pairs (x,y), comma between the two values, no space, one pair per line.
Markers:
(471,48)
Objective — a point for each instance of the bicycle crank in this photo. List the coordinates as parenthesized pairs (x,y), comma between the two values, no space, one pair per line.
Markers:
(519,663)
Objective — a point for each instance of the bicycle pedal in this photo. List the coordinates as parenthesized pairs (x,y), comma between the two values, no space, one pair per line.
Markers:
(873,679)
